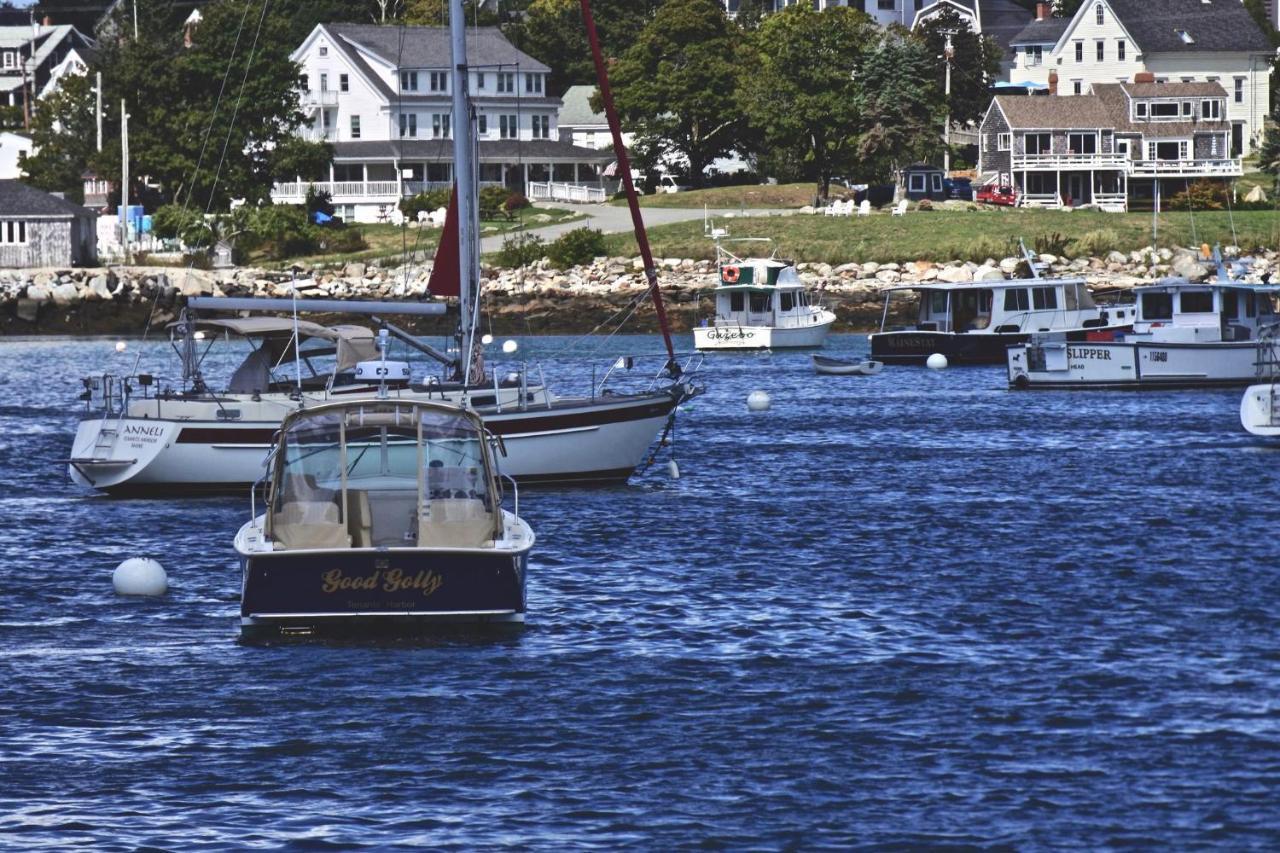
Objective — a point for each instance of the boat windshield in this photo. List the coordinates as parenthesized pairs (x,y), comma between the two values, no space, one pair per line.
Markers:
(382,474)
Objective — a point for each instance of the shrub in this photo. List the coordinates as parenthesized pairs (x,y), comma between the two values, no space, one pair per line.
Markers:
(521,250)
(1097,243)
(172,222)
(515,201)
(428,201)
(578,246)
(283,231)
(492,200)
(1051,244)
(924,204)
(319,201)
(1202,195)
(342,239)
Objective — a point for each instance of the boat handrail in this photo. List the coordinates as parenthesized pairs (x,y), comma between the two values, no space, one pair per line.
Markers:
(515,494)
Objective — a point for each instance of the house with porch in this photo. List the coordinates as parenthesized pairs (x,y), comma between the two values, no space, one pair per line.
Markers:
(1175,41)
(34,57)
(1122,142)
(381,95)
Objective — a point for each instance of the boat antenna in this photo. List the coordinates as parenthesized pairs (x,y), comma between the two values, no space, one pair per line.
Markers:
(297,340)
(624,165)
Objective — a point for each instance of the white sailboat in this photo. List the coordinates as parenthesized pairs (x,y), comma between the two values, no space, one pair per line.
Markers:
(196,438)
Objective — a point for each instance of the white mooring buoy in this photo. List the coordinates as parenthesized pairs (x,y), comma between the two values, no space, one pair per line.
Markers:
(758,401)
(486,339)
(937,361)
(509,346)
(121,346)
(140,576)
(673,470)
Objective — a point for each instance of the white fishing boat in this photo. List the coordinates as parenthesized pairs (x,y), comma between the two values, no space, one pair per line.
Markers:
(140,437)
(1260,405)
(1186,335)
(841,367)
(381,514)
(761,303)
(976,322)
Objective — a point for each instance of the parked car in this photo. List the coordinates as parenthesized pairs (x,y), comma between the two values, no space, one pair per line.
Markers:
(961,188)
(668,184)
(993,194)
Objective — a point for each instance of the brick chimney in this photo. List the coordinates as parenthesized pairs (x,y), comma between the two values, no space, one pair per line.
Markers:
(1053,82)
(1144,77)
(1043,10)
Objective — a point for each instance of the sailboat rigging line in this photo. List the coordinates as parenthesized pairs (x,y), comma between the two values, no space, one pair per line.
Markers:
(624,165)
(208,131)
(1191,211)
(226,142)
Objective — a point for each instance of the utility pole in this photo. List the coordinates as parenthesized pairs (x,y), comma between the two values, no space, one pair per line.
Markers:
(97,91)
(949,52)
(135,20)
(124,180)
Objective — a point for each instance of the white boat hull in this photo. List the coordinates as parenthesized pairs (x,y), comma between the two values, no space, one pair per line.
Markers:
(1260,410)
(1132,364)
(765,337)
(600,442)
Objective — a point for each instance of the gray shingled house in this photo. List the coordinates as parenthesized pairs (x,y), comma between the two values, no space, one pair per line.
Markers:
(42,230)
(1125,141)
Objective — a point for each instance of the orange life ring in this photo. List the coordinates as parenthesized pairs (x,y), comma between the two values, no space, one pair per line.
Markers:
(730,274)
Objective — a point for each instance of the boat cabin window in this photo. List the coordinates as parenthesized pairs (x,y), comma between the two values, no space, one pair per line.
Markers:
(1015,299)
(1045,298)
(1230,304)
(760,302)
(1157,306)
(737,301)
(1196,302)
(938,303)
(1071,297)
(785,301)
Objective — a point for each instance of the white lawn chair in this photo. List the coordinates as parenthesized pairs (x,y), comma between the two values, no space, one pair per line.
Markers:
(423,216)
(901,208)
(864,209)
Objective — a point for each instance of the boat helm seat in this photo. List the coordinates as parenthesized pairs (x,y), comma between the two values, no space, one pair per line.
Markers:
(312,524)
(455,523)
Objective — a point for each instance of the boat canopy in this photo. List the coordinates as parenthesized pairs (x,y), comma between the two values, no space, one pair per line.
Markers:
(759,276)
(273,337)
(383,473)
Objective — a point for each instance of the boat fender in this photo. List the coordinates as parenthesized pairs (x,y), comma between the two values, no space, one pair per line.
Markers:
(1021,382)
(731,274)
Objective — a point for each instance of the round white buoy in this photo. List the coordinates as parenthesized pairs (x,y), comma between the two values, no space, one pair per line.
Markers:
(937,361)
(758,401)
(140,576)
(510,346)
(486,339)
(673,470)
(121,346)
(199,336)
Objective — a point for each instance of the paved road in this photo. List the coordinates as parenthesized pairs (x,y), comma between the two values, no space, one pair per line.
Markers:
(613,219)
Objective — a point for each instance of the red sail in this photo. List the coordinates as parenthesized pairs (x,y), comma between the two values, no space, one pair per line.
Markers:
(445,274)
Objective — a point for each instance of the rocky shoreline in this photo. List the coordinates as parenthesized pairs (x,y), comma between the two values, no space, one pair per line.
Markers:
(535,300)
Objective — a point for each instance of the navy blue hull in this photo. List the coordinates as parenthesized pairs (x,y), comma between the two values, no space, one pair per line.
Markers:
(915,347)
(397,589)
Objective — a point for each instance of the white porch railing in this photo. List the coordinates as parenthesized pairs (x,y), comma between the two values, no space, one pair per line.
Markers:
(340,191)
(1069,161)
(1117,202)
(1040,200)
(312,99)
(557,191)
(1230,168)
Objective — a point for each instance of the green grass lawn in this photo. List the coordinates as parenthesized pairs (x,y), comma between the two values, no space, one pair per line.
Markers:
(389,242)
(747,196)
(962,234)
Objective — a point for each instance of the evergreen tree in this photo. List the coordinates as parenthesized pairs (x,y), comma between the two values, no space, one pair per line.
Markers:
(901,110)
(975,64)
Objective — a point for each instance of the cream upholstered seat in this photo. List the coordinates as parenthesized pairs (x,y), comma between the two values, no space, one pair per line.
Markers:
(455,523)
(311,524)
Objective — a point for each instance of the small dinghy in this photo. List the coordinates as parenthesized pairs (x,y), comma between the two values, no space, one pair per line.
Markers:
(840,367)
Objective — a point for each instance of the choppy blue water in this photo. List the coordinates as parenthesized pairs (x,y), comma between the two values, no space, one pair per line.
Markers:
(911,610)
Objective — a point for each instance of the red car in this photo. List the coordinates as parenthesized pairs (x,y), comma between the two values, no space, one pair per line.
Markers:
(992,194)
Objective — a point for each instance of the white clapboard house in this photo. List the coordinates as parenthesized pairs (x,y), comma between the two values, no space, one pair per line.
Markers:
(381,96)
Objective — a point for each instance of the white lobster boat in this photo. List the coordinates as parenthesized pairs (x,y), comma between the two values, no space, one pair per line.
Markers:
(1260,405)
(761,303)
(1186,335)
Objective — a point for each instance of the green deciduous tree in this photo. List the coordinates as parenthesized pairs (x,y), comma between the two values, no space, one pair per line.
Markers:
(975,64)
(552,32)
(801,88)
(64,133)
(674,86)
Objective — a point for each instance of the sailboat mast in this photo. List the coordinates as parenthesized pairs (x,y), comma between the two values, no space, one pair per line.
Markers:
(624,165)
(464,179)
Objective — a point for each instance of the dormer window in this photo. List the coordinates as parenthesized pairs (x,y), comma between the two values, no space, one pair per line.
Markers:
(1185,36)
(1211,110)
(408,81)
(1167,110)
(1140,109)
